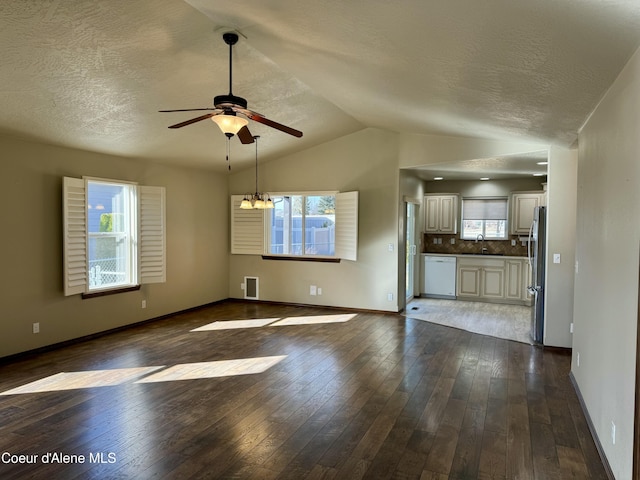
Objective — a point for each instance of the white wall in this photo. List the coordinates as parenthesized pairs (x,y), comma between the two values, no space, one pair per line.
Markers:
(561,239)
(415,150)
(31,245)
(365,161)
(606,286)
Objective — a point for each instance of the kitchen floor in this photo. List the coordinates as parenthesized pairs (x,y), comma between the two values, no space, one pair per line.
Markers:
(511,322)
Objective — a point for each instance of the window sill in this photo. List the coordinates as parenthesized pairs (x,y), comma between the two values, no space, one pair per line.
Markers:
(301,259)
(112,291)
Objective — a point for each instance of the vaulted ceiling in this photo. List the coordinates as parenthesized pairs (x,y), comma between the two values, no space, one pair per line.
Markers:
(93,75)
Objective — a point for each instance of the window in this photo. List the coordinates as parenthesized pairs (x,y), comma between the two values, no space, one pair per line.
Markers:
(484,216)
(113,235)
(300,225)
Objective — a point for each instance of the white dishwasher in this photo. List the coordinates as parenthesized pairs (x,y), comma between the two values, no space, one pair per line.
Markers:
(440,276)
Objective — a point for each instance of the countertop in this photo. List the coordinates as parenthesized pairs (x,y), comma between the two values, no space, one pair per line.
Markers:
(465,255)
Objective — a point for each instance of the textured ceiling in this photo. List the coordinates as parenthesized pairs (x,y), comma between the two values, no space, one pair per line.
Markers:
(92,75)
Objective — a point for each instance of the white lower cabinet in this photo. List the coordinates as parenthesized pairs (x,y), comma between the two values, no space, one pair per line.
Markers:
(493,279)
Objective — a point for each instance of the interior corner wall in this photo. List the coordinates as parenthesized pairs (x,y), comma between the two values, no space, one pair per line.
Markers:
(606,285)
(365,161)
(562,181)
(31,287)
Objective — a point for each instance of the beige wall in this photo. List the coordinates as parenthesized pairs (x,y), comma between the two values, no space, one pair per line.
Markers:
(561,239)
(606,285)
(365,161)
(415,150)
(31,245)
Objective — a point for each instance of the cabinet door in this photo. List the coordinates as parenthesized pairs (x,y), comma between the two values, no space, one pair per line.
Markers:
(448,214)
(468,283)
(431,214)
(492,281)
(522,211)
(513,283)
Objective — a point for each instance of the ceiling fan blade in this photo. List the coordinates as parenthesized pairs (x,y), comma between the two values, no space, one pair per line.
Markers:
(193,120)
(186,110)
(256,117)
(245,135)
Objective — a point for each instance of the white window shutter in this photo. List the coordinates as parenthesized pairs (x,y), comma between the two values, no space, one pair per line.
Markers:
(247,229)
(347,225)
(151,235)
(75,235)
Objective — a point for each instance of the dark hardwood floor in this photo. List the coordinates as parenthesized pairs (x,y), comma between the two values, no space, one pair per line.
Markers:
(377,396)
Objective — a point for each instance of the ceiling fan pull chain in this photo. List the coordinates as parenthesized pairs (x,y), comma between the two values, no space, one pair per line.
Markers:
(228,151)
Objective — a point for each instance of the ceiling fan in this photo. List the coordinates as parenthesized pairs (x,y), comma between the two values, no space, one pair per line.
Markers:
(227,107)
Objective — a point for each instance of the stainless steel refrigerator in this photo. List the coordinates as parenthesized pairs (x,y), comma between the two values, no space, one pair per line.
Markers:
(537,261)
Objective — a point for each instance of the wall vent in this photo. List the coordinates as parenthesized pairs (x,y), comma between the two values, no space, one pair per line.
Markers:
(251,288)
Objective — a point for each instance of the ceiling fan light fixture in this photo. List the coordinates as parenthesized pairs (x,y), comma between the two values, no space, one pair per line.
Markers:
(229,124)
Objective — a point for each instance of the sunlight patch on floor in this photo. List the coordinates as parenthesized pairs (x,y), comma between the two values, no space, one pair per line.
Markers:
(76,380)
(221,368)
(315,319)
(233,324)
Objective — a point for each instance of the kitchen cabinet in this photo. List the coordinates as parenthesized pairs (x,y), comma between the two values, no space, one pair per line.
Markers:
(493,279)
(521,210)
(441,213)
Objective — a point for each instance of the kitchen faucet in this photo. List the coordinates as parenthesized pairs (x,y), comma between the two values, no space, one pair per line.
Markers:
(480,236)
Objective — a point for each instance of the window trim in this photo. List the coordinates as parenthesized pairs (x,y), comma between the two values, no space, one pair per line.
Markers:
(249,235)
(150,233)
(304,219)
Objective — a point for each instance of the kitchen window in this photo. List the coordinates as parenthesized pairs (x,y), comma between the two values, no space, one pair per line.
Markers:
(114,235)
(484,216)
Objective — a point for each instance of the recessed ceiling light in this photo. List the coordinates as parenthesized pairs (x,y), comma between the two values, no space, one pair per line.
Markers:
(543,163)
(539,174)
(485,178)
(438,178)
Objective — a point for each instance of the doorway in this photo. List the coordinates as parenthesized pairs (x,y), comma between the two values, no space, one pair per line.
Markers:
(410,251)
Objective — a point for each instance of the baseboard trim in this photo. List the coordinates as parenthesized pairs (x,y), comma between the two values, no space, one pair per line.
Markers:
(313,305)
(91,336)
(592,429)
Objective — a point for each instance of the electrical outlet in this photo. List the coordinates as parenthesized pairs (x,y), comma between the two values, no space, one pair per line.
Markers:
(390,297)
(144,304)
(513,243)
(390,247)
(319,291)
(313,290)
(571,327)
(578,359)
(577,267)
(242,286)
(452,241)
(36,327)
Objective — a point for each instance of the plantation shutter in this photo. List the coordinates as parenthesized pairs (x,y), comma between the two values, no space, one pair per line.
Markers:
(75,236)
(247,229)
(347,225)
(152,233)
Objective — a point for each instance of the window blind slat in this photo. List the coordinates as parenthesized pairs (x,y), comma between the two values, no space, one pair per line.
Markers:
(484,209)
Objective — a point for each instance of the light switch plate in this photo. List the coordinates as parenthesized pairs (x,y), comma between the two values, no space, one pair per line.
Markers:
(556,258)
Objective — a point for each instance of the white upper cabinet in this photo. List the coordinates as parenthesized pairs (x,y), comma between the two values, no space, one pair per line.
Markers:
(441,213)
(521,209)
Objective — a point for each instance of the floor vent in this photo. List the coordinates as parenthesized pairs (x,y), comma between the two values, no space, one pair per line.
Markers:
(251,288)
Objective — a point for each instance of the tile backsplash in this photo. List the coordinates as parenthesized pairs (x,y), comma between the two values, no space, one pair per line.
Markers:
(460,246)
